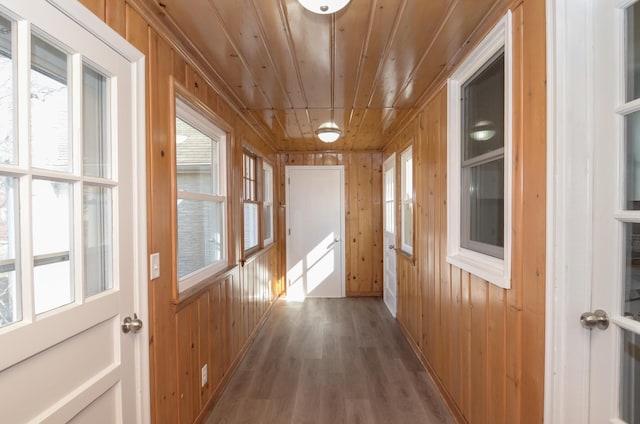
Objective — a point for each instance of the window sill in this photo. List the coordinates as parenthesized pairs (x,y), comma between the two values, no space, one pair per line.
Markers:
(488,268)
(255,253)
(188,295)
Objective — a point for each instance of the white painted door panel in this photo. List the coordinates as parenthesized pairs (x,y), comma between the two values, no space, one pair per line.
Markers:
(315,231)
(72,362)
(388,195)
(614,361)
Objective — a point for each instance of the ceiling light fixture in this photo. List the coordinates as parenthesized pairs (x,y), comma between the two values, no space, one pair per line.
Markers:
(328,132)
(483,131)
(323,7)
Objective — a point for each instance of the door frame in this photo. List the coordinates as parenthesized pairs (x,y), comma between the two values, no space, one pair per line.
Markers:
(287,171)
(94,25)
(390,162)
(570,180)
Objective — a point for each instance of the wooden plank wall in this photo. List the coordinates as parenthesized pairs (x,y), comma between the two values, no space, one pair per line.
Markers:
(484,345)
(214,322)
(363,209)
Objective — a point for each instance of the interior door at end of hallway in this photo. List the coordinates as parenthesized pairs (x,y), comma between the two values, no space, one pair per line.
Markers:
(315,231)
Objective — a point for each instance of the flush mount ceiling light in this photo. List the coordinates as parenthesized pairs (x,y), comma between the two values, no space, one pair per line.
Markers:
(323,7)
(328,132)
(483,131)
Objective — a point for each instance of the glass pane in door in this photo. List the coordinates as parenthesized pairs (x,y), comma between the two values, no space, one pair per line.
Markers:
(96,153)
(631,292)
(7,98)
(10,299)
(51,234)
(50,132)
(630,372)
(632,48)
(98,245)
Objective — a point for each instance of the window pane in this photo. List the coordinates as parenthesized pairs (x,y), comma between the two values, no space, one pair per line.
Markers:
(408,179)
(633,51)
(200,234)
(10,310)
(51,220)
(268,184)
(483,110)
(250,225)
(95,131)
(631,294)
(7,140)
(407,224)
(51,147)
(268,222)
(196,159)
(389,217)
(486,203)
(630,373)
(98,245)
(632,127)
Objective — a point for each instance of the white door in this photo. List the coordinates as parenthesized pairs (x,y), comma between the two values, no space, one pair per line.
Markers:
(389,196)
(615,352)
(72,243)
(315,231)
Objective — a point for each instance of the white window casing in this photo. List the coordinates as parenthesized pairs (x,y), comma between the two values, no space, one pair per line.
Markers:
(406,201)
(490,268)
(216,198)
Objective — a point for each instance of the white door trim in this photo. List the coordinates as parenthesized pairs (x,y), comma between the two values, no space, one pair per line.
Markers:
(87,20)
(569,236)
(287,170)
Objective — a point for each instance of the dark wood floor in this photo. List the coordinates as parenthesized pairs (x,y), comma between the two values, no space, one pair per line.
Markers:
(330,361)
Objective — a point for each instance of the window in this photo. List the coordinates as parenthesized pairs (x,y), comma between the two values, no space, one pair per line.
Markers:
(201,196)
(479,159)
(251,205)
(406,169)
(66,253)
(267,207)
(390,196)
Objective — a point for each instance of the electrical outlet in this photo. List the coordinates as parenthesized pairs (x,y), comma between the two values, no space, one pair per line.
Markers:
(205,375)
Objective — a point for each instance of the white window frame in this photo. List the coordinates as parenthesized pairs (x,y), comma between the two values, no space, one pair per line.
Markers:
(404,156)
(268,185)
(494,270)
(253,228)
(199,121)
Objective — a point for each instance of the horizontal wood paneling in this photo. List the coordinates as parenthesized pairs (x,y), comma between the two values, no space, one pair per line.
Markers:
(363,220)
(484,344)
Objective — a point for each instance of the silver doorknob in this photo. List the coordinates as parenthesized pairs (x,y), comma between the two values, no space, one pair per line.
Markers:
(597,318)
(131,324)
(391,246)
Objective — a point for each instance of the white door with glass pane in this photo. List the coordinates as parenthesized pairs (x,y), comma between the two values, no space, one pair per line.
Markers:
(315,231)
(72,252)
(389,196)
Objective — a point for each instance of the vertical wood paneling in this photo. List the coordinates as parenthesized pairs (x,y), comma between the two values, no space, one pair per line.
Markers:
(479,396)
(115,16)
(484,344)
(184,343)
(97,7)
(514,296)
(363,214)
(534,168)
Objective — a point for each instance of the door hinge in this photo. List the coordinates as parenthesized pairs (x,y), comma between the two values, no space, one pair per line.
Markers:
(289,181)
(289,231)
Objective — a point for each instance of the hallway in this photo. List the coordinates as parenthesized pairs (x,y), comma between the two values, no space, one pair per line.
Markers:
(330,361)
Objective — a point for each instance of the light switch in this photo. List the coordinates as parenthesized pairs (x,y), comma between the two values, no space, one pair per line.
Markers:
(155,265)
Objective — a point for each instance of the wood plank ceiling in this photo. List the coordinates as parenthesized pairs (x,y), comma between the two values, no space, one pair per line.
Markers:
(369,65)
